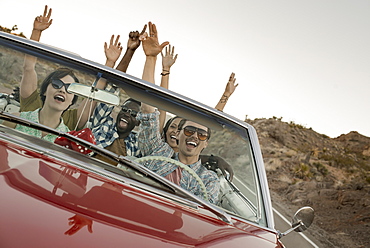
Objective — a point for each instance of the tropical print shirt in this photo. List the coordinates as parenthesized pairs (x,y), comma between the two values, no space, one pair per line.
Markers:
(34,116)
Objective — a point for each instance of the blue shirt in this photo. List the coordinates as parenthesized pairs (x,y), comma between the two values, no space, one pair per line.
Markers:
(151,143)
(104,128)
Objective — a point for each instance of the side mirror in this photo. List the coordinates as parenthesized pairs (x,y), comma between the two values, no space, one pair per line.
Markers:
(93,93)
(301,220)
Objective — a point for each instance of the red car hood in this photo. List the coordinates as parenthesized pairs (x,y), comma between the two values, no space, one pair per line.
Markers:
(39,195)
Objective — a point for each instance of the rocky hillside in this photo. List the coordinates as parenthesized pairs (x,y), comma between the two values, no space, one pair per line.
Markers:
(331,175)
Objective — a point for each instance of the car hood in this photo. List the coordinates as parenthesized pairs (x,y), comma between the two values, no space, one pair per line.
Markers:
(39,195)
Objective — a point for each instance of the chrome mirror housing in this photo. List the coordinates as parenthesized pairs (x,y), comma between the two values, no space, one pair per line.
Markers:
(301,220)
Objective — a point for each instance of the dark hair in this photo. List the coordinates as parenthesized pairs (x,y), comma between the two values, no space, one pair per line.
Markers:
(182,123)
(57,74)
(132,100)
(167,125)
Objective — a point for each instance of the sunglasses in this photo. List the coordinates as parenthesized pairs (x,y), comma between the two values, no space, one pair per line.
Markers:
(133,113)
(58,84)
(190,130)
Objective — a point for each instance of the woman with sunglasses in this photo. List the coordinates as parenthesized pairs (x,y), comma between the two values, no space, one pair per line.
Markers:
(55,100)
(30,95)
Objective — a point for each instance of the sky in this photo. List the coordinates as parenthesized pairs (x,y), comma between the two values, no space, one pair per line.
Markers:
(305,61)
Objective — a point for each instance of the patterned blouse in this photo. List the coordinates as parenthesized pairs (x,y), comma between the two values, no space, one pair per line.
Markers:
(34,116)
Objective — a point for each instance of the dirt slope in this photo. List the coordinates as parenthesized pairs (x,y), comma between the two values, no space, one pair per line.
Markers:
(331,175)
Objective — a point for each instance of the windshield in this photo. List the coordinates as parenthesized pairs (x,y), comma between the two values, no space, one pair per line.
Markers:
(228,157)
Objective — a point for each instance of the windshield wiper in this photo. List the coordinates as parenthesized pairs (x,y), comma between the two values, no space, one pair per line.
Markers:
(177,190)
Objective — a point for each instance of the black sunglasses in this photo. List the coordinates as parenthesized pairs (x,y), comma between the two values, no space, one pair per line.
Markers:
(190,130)
(58,84)
(133,113)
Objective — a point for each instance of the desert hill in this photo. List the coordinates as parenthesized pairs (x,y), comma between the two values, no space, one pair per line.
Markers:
(331,175)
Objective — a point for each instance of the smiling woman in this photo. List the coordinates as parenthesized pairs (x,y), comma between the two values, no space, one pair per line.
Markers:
(55,100)
(49,104)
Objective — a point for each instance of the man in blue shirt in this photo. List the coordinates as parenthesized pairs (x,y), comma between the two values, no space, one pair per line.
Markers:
(117,136)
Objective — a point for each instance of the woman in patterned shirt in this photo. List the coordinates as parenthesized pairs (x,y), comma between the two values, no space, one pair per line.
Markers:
(55,100)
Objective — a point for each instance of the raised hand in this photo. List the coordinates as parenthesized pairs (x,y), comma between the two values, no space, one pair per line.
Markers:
(42,22)
(229,90)
(113,51)
(151,45)
(168,59)
(133,41)
(132,44)
(230,86)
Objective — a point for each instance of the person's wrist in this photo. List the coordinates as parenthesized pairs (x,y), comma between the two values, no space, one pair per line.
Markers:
(165,71)
(110,63)
(224,98)
(151,58)
(131,49)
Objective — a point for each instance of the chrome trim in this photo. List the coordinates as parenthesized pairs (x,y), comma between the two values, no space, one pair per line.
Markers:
(262,176)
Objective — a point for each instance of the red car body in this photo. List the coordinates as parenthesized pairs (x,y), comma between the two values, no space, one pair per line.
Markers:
(121,215)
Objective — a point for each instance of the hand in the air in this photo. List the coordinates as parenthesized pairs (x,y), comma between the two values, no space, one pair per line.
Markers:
(42,22)
(230,86)
(133,39)
(113,51)
(168,59)
(151,45)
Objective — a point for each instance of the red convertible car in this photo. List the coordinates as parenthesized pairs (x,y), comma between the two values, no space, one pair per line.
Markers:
(52,196)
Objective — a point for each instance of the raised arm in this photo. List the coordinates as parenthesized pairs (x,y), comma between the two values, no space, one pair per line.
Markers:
(132,44)
(168,59)
(151,48)
(112,53)
(149,137)
(229,90)
(29,79)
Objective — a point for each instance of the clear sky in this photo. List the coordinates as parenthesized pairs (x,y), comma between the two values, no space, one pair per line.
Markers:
(305,61)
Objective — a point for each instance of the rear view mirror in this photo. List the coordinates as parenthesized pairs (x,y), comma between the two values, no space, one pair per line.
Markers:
(93,93)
